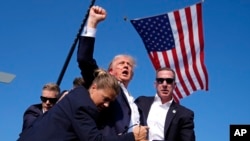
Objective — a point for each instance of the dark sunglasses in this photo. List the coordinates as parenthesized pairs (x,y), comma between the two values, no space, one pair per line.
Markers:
(51,100)
(168,80)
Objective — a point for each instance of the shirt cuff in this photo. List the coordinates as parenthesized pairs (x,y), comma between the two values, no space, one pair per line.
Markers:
(89,32)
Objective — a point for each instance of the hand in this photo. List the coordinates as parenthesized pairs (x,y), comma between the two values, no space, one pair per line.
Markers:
(140,133)
(96,15)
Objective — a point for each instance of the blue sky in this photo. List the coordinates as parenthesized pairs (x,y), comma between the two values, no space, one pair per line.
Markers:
(36,35)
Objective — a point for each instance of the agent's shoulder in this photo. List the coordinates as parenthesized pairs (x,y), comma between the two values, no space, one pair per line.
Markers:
(35,106)
(183,108)
(144,99)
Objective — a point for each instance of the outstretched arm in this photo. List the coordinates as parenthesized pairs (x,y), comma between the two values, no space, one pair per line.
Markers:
(86,62)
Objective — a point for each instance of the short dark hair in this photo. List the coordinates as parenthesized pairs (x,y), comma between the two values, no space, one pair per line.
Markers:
(78,81)
(52,87)
(167,69)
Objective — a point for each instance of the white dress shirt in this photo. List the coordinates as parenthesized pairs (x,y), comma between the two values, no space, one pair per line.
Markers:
(135,116)
(156,118)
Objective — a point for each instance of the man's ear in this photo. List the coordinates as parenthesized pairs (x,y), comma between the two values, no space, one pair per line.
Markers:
(155,84)
(110,70)
(174,84)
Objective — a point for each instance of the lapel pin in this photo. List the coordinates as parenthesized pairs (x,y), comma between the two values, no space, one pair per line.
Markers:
(174,111)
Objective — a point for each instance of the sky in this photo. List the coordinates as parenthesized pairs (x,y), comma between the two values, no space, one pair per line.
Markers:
(36,36)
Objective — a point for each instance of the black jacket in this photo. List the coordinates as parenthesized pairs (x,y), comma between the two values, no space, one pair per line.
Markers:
(116,118)
(71,119)
(179,123)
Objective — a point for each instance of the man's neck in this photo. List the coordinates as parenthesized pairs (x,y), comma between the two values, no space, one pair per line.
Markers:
(125,84)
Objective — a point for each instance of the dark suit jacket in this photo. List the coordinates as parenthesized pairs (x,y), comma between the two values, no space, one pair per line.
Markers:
(116,118)
(31,114)
(71,119)
(179,124)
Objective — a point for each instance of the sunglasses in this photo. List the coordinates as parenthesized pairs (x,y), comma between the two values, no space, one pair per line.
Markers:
(168,80)
(51,100)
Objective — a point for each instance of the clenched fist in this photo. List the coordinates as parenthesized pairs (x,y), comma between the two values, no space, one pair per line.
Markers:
(96,15)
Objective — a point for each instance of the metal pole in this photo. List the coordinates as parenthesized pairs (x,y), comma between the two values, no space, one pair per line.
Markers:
(71,51)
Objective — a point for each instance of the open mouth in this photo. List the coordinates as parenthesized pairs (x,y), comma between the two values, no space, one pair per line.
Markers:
(125,72)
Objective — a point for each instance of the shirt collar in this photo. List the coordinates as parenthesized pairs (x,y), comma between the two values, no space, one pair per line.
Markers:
(158,101)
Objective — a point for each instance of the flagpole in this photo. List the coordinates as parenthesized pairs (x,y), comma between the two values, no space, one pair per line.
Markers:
(71,51)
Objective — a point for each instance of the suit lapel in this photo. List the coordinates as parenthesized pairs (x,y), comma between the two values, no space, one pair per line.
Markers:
(170,116)
(147,105)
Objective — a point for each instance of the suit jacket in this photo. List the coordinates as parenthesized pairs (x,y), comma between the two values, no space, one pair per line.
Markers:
(71,119)
(179,125)
(115,119)
(31,114)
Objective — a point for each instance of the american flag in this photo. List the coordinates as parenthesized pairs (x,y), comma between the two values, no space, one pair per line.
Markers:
(175,40)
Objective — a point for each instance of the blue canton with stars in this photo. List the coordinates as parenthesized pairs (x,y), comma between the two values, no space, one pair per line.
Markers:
(155,32)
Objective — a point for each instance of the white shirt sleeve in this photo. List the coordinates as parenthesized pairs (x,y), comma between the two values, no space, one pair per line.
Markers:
(89,32)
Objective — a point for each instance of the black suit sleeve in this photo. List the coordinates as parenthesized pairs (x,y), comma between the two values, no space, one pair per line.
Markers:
(187,127)
(86,62)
